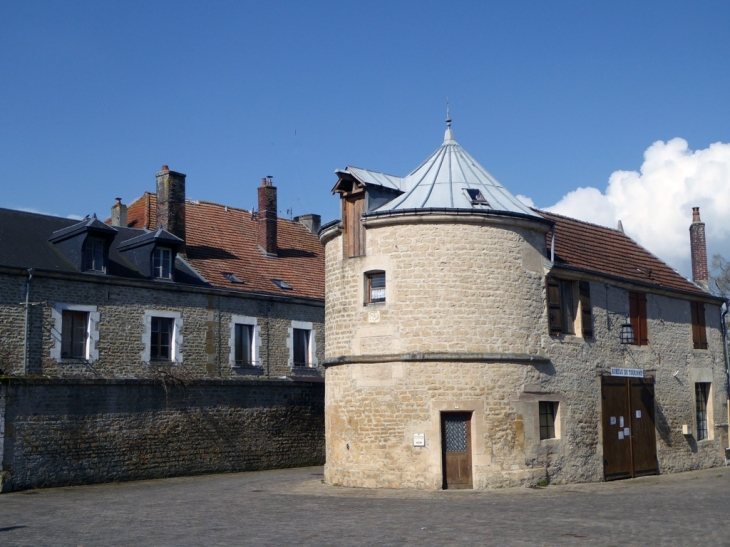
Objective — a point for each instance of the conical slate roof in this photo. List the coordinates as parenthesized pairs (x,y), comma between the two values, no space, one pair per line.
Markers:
(451,179)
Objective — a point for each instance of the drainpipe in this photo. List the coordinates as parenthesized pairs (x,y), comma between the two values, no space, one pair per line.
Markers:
(724,342)
(552,247)
(27,314)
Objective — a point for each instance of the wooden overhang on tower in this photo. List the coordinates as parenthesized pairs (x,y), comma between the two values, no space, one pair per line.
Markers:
(352,197)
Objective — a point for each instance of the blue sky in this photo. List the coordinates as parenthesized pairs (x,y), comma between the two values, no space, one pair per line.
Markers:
(548,96)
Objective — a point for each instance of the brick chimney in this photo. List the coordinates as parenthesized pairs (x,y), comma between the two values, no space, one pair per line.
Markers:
(171,201)
(311,222)
(119,214)
(267,217)
(698,248)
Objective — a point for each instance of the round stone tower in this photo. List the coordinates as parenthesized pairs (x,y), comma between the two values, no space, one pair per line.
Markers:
(434,314)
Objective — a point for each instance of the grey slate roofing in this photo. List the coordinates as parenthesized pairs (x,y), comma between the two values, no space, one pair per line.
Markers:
(450,178)
(25,242)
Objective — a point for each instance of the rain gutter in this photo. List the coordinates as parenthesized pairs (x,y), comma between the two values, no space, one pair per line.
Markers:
(454,211)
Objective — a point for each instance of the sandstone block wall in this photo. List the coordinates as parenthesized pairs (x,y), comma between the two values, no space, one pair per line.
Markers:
(62,432)
(440,281)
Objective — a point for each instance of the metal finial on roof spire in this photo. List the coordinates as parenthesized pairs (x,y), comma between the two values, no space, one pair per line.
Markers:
(449,135)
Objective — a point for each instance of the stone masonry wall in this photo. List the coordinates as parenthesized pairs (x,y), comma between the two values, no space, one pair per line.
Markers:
(440,279)
(206,326)
(62,432)
(439,299)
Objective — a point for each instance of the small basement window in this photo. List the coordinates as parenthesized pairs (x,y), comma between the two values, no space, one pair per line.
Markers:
(475,196)
(548,416)
(282,284)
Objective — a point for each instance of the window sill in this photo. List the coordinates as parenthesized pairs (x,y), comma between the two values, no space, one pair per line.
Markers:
(304,371)
(247,370)
(570,338)
(73,361)
(554,440)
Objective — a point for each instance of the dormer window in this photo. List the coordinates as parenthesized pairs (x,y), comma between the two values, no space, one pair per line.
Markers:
(94,255)
(476,197)
(162,263)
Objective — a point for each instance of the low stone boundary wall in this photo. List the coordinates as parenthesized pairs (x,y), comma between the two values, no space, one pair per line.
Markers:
(56,432)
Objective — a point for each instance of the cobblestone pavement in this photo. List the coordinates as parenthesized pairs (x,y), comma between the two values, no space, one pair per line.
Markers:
(293,507)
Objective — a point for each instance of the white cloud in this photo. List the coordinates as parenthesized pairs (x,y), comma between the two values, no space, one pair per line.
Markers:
(655,204)
(525,200)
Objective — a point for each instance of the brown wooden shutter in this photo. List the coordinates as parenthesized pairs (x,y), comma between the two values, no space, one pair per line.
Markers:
(586,310)
(699,332)
(637,313)
(354,237)
(357,227)
(555,312)
(695,325)
(644,337)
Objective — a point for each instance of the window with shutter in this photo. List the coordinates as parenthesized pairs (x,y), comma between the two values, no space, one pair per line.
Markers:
(563,298)
(637,313)
(699,332)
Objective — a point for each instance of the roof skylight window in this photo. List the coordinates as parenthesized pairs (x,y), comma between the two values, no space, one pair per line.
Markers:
(233,278)
(282,284)
(476,197)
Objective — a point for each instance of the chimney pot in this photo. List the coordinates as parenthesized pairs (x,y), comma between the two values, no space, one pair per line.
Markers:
(165,168)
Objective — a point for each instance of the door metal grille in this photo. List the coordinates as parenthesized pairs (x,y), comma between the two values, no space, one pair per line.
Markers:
(455,433)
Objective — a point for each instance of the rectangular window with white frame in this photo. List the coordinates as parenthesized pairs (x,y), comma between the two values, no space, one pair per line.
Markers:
(301,344)
(244,342)
(75,332)
(162,337)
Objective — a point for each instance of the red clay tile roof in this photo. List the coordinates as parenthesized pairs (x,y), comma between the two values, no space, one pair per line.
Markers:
(224,239)
(603,250)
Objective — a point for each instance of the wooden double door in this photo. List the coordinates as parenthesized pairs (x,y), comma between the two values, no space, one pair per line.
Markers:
(629,433)
(456,449)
